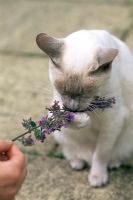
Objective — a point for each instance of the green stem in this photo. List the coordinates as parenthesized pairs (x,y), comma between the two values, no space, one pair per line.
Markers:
(23,134)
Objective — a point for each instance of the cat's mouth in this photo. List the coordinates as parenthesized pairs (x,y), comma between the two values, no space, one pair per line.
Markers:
(74,110)
(96,103)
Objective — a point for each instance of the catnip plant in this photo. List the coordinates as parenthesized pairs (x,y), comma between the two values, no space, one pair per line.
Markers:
(58,118)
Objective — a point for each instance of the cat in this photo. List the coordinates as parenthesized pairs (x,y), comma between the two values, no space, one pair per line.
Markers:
(85,64)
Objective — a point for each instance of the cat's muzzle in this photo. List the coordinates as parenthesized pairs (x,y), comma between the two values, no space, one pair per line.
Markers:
(73,109)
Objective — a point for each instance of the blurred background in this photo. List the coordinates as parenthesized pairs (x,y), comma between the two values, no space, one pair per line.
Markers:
(25,90)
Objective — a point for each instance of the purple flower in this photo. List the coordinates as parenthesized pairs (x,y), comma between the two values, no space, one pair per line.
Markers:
(43,136)
(29,141)
(50,130)
(101,103)
(60,117)
(69,116)
(25,123)
(29,124)
(42,122)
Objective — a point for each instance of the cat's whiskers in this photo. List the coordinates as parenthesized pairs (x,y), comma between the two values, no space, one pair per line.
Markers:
(97,113)
(110,95)
(94,111)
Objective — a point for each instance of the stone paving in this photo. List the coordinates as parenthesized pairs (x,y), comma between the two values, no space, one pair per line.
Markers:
(25,89)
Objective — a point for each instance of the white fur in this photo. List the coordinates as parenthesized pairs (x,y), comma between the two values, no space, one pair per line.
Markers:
(107,137)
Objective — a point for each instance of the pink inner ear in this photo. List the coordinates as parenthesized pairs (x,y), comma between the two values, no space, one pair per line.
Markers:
(106,55)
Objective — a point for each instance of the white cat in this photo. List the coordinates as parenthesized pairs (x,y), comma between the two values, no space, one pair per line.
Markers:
(85,64)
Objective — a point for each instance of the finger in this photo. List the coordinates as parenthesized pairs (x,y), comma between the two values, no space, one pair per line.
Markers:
(21,179)
(3,156)
(5,145)
(16,156)
(23,176)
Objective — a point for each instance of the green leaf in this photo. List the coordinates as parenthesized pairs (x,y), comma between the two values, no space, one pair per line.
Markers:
(33,124)
(37,133)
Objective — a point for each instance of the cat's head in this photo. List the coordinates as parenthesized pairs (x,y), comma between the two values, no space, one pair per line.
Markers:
(79,67)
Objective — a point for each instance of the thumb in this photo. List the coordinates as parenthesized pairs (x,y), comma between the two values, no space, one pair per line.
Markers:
(5,145)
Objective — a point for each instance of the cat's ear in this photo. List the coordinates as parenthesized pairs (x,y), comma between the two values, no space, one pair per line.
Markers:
(51,46)
(106,56)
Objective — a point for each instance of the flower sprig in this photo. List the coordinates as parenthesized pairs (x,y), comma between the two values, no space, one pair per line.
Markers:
(57,119)
(46,125)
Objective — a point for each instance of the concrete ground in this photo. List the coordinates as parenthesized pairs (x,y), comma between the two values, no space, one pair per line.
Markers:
(25,89)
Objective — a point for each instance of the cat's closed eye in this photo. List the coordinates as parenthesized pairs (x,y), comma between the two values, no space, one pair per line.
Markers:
(104,68)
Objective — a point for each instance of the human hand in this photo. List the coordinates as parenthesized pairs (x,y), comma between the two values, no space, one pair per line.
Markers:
(12,170)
